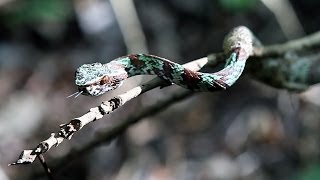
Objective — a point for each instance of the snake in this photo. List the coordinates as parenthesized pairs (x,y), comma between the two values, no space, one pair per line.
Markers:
(96,78)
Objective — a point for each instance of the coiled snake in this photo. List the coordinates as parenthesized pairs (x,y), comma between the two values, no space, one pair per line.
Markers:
(95,79)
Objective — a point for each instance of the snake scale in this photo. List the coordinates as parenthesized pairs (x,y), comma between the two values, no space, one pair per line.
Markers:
(95,79)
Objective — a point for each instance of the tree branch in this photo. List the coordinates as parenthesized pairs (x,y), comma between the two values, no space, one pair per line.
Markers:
(307,42)
(106,107)
(67,130)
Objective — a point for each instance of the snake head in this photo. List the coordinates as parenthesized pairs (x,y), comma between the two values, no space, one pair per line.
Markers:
(95,79)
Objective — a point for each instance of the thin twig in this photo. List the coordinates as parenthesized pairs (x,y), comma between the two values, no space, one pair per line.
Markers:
(307,42)
(105,136)
(211,60)
(286,17)
(45,166)
(106,107)
(67,130)
(130,26)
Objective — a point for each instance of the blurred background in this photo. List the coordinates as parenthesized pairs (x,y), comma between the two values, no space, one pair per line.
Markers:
(252,131)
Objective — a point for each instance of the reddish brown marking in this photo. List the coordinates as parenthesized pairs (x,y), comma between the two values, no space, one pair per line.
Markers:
(221,84)
(156,71)
(104,80)
(112,79)
(136,61)
(191,78)
(167,68)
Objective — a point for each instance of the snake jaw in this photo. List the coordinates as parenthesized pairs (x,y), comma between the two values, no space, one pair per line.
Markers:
(100,87)
(95,89)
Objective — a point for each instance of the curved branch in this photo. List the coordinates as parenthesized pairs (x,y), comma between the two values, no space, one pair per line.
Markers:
(67,130)
(106,107)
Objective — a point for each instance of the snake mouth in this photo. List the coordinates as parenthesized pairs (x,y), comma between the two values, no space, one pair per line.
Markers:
(84,90)
(91,90)
(95,89)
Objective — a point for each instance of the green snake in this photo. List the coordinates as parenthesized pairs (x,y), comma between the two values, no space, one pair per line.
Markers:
(95,79)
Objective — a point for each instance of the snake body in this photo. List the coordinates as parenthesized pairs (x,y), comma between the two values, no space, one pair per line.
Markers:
(95,79)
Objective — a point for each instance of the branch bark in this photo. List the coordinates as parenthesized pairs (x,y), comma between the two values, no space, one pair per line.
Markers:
(307,42)
(106,107)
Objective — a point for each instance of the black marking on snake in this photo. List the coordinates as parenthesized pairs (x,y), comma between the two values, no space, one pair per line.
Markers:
(237,45)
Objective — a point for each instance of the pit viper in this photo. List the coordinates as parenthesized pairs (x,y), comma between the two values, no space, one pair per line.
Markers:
(95,79)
